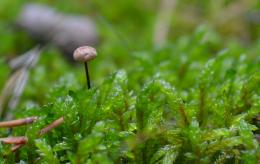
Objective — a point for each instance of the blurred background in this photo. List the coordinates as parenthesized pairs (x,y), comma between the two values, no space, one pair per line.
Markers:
(117,29)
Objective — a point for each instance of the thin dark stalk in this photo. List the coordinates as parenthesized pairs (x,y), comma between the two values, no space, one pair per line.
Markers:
(87,75)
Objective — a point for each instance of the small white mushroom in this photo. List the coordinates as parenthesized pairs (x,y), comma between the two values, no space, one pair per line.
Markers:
(85,53)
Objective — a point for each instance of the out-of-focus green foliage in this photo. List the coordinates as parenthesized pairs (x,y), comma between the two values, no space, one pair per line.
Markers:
(193,100)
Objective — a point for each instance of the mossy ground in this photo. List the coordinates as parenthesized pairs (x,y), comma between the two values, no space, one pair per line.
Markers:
(193,100)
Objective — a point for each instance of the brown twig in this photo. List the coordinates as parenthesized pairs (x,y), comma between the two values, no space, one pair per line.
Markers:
(51,126)
(19,122)
(16,147)
(20,141)
(14,140)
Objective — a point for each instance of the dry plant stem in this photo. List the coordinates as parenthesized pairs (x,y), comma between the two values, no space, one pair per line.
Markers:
(20,141)
(14,140)
(18,122)
(16,147)
(14,87)
(51,126)
(7,92)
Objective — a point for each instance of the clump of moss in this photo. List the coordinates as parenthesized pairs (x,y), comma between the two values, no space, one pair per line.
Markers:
(177,104)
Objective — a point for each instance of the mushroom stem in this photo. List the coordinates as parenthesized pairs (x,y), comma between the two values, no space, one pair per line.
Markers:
(85,54)
(87,75)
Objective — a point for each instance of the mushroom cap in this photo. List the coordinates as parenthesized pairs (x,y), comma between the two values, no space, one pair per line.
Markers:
(84,53)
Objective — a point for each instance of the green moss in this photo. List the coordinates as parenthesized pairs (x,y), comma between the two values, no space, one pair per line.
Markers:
(194,100)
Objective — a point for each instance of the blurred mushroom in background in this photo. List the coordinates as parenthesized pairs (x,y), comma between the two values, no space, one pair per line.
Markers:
(66,32)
